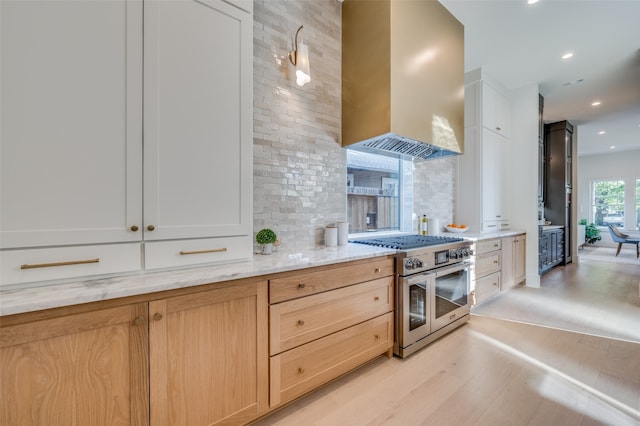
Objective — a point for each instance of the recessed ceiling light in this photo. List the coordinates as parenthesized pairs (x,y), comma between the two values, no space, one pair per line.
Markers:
(601,132)
(532,1)
(596,103)
(567,55)
(612,147)
(571,83)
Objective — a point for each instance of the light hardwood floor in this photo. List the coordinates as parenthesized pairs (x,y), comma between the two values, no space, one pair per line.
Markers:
(496,371)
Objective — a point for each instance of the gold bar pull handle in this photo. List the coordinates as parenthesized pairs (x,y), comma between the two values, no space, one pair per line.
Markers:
(214,250)
(49,265)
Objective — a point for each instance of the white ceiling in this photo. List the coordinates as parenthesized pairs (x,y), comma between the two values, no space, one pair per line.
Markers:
(520,44)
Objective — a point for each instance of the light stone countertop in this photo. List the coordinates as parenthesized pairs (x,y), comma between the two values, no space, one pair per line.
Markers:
(34,297)
(478,236)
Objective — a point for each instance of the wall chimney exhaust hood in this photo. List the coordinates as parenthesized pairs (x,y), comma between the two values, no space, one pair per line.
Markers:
(402,78)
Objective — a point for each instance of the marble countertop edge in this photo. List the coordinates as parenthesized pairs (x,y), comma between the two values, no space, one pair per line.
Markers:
(39,296)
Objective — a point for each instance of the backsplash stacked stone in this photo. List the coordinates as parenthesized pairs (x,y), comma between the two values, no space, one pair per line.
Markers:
(299,166)
(434,186)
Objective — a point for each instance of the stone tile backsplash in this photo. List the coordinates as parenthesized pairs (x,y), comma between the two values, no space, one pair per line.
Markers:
(299,181)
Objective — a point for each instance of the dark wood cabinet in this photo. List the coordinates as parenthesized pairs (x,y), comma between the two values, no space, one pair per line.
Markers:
(558,140)
(541,152)
(551,250)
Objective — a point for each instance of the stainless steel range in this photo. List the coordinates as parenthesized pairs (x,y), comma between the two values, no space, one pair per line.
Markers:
(432,287)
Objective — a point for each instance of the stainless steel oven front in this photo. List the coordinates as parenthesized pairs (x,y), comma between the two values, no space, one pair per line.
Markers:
(430,304)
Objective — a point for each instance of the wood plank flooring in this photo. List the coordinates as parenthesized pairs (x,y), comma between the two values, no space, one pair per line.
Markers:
(496,371)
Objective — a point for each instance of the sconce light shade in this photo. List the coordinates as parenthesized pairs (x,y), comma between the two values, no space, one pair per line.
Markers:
(300,58)
(303,74)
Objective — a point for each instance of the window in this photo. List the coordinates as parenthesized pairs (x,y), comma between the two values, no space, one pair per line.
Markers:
(608,202)
(374,192)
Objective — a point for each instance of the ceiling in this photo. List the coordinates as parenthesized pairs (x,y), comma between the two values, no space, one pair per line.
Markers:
(520,44)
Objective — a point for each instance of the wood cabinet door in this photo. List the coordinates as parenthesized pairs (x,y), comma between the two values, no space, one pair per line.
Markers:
(80,369)
(198,120)
(71,146)
(208,356)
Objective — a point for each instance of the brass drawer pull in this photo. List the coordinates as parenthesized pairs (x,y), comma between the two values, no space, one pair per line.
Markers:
(157,316)
(300,322)
(150,228)
(376,298)
(302,285)
(48,265)
(377,336)
(377,270)
(215,250)
(138,321)
(300,370)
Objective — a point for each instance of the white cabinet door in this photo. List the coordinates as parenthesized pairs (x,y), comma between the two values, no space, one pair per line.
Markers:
(496,111)
(198,120)
(71,143)
(495,172)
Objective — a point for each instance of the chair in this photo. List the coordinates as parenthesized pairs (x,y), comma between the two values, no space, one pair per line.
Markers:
(621,239)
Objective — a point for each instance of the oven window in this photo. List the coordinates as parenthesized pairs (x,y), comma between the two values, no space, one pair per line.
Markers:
(451,292)
(417,305)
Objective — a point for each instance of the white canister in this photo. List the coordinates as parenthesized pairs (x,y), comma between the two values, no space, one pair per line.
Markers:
(343,233)
(434,226)
(331,236)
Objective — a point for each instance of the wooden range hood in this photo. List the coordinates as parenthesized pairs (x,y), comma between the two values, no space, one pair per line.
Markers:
(402,78)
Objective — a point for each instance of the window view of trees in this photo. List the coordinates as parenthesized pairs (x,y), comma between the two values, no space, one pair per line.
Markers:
(608,202)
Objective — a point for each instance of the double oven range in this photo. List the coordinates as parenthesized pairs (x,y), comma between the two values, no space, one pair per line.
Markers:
(432,287)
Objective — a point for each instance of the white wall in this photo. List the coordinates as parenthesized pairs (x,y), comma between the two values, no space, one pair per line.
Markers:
(623,165)
(524,173)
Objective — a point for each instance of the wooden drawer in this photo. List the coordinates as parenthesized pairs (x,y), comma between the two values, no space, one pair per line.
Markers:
(487,263)
(487,246)
(300,321)
(487,287)
(306,367)
(68,262)
(298,285)
(169,254)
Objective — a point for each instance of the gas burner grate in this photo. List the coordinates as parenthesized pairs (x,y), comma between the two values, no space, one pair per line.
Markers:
(406,242)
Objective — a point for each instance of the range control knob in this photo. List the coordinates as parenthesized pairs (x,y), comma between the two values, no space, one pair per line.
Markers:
(408,263)
(412,263)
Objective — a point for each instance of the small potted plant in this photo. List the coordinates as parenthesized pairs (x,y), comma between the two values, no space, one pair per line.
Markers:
(266,237)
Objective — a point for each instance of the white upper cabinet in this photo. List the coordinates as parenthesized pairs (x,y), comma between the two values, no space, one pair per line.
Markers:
(198,120)
(74,126)
(485,167)
(71,143)
(496,111)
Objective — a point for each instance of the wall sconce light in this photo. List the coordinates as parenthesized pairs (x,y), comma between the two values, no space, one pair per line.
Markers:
(300,58)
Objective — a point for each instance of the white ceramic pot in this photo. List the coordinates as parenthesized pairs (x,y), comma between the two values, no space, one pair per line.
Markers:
(267,248)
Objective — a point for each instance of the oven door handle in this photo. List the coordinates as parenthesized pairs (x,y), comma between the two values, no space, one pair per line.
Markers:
(451,269)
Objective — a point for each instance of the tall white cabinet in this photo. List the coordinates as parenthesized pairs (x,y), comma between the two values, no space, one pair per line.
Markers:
(74,130)
(485,166)
(197,131)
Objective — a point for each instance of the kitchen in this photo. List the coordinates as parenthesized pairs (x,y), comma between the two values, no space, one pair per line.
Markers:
(298,166)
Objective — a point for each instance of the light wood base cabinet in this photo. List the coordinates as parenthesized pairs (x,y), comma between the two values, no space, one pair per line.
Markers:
(306,367)
(208,356)
(197,358)
(78,369)
(327,322)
